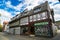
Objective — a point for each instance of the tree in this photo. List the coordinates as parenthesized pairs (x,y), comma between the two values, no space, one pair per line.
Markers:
(0,16)
(0,28)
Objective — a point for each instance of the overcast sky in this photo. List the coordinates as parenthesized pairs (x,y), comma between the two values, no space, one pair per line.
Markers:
(9,8)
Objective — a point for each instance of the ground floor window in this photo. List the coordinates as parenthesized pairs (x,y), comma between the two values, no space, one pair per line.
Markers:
(24,30)
(42,29)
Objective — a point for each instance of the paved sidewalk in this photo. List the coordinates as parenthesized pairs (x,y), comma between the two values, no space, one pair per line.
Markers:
(31,38)
(4,36)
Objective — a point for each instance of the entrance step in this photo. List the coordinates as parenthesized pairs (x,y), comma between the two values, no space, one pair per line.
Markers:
(32,35)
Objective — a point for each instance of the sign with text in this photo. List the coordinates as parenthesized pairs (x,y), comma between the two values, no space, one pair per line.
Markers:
(42,29)
(42,23)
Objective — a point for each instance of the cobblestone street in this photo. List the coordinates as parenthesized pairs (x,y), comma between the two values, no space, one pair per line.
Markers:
(4,36)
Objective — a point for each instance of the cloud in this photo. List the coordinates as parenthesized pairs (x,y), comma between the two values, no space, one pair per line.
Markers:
(5,16)
(32,3)
(56,11)
(5,13)
(26,2)
(29,4)
(55,5)
(52,0)
(17,13)
(9,5)
(57,17)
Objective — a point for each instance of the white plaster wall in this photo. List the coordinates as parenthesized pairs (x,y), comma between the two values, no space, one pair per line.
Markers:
(6,28)
(54,29)
(11,30)
(21,31)
(24,21)
(17,30)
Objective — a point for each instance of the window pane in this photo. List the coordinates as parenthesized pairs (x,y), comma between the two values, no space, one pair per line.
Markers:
(44,15)
(24,21)
(34,17)
(31,19)
(38,16)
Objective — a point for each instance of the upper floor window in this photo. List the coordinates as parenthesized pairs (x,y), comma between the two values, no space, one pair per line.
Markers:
(37,9)
(44,15)
(34,17)
(24,21)
(31,18)
(41,16)
(38,16)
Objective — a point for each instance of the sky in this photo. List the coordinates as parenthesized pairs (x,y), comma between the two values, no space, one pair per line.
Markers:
(9,8)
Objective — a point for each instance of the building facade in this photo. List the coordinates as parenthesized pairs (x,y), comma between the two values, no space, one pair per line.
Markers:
(38,21)
(5,27)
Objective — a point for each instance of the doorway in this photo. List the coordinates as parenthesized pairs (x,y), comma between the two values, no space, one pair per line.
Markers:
(32,30)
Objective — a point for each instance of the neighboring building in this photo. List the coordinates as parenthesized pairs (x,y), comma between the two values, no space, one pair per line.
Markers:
(39,21)
(5,26)
(58,24)
(14,27)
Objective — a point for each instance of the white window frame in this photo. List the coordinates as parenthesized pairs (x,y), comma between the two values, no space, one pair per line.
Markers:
(31,18)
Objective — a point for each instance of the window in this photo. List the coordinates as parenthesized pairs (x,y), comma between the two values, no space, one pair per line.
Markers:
(14,23)
(34,17)
(24,21)
(31,18)
(41,16)
(37,10)
(38,16)
(44,15)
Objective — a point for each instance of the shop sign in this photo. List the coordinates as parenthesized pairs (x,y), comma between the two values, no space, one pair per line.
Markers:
(37,10)
(42,23)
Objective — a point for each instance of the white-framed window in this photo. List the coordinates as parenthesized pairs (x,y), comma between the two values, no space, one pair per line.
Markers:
(34,17)
(24,21)
(37,10)
(38,16)
(15,23)
(44,15)
(31,18)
